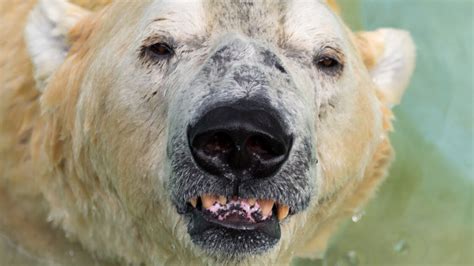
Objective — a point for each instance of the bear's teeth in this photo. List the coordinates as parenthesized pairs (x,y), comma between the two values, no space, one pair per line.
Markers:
(251,201)
(208,201)
(222,200)
(266,206)
(282,212)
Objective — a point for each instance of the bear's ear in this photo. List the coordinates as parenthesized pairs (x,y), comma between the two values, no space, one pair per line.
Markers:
(389,55)
(46,36)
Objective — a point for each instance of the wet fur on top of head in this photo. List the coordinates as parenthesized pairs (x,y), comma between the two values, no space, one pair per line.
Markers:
(109,116)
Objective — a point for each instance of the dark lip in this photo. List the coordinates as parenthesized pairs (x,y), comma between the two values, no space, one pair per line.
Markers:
(200,222)
(236,225)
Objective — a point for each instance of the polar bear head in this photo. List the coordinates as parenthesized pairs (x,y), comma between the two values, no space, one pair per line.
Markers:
(210,131)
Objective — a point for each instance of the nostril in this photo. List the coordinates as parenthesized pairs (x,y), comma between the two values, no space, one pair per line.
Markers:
(264,147)
(211,150)
(267,154)
(213,144)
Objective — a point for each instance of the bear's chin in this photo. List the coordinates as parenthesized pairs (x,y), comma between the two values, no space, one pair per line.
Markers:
(232,241)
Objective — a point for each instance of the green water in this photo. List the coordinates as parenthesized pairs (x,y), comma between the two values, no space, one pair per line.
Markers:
(423,214)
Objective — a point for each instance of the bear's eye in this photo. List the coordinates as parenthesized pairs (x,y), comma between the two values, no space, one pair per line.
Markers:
(329,65)
(160,50)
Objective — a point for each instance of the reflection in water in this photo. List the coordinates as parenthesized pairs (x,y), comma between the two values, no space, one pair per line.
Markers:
(358,216)
(349,259)
(401,247)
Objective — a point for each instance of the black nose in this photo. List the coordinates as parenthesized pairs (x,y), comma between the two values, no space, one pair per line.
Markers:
(245,140)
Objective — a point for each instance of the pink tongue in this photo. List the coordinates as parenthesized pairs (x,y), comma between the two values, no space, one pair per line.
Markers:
(236,210)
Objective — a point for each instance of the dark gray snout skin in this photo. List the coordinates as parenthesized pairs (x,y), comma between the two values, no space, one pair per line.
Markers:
(240,130)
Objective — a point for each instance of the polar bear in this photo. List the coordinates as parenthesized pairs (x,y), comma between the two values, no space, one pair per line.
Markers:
(193,132)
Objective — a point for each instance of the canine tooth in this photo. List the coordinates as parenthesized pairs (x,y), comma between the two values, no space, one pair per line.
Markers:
(208,201)
(251,201)
(193,202)
(266,206)
(282,212)
(222,200)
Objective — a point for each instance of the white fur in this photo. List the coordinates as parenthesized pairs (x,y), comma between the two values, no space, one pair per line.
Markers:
(46,36)
(308,21)
(394,68)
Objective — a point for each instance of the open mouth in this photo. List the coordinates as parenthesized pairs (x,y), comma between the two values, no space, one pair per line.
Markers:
(237,213)
(240,225)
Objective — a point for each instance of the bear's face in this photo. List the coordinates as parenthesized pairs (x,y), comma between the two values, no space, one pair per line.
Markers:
(217,129)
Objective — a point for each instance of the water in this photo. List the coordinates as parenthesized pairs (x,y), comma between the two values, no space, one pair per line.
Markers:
(12,254)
